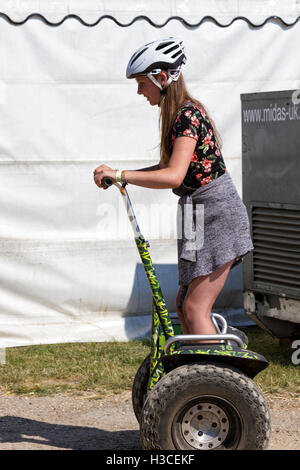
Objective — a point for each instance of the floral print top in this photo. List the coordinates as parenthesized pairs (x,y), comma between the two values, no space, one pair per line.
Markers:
(207,162)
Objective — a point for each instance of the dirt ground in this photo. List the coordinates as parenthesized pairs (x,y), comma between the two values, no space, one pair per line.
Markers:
(83,423)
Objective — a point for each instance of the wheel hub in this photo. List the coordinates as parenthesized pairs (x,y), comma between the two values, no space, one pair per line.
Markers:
(205,426)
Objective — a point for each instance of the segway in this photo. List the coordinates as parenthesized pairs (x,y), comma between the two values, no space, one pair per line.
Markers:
(195,396)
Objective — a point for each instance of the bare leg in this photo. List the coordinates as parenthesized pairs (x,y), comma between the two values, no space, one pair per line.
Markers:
(179,311)
(200,297)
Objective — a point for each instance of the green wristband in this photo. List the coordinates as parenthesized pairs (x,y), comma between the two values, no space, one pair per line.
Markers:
(119,176)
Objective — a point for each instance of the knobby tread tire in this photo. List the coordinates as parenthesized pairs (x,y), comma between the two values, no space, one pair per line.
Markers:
(140,384)
(192,380)
(139,388)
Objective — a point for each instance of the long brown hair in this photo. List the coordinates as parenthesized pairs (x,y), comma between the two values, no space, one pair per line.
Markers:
(175,96)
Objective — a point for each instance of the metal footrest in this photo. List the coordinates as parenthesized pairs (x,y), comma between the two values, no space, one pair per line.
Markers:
(184,338)
(219,322)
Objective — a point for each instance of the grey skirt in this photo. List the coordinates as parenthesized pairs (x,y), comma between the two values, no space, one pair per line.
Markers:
(212,229)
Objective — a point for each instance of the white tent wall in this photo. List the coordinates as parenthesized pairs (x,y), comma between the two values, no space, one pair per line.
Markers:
(69,267)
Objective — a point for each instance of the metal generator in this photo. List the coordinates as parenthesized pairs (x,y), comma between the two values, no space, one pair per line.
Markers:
(271,193)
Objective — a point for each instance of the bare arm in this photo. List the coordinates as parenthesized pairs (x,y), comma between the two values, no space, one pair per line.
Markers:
(157,176)
(172,175)
(150,168)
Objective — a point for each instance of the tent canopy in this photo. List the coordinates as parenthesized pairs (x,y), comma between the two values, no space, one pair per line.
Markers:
(190,13)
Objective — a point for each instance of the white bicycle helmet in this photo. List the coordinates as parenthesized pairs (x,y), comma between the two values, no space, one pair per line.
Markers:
(152,58)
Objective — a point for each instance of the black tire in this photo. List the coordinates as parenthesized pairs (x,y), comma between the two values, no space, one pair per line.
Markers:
(228,411)
(139,388)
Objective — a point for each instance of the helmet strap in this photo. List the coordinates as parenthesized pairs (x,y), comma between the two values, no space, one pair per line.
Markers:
(153,79)
(168,82)
(173,75)
(163,89)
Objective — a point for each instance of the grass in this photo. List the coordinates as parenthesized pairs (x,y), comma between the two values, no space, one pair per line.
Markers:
(282,377)
(101,369)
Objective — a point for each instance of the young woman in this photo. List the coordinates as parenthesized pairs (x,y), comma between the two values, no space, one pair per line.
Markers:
(191,163)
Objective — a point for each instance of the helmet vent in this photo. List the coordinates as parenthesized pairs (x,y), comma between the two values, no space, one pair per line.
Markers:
(138,55)
(163,44)
(176,54)
(171,49)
